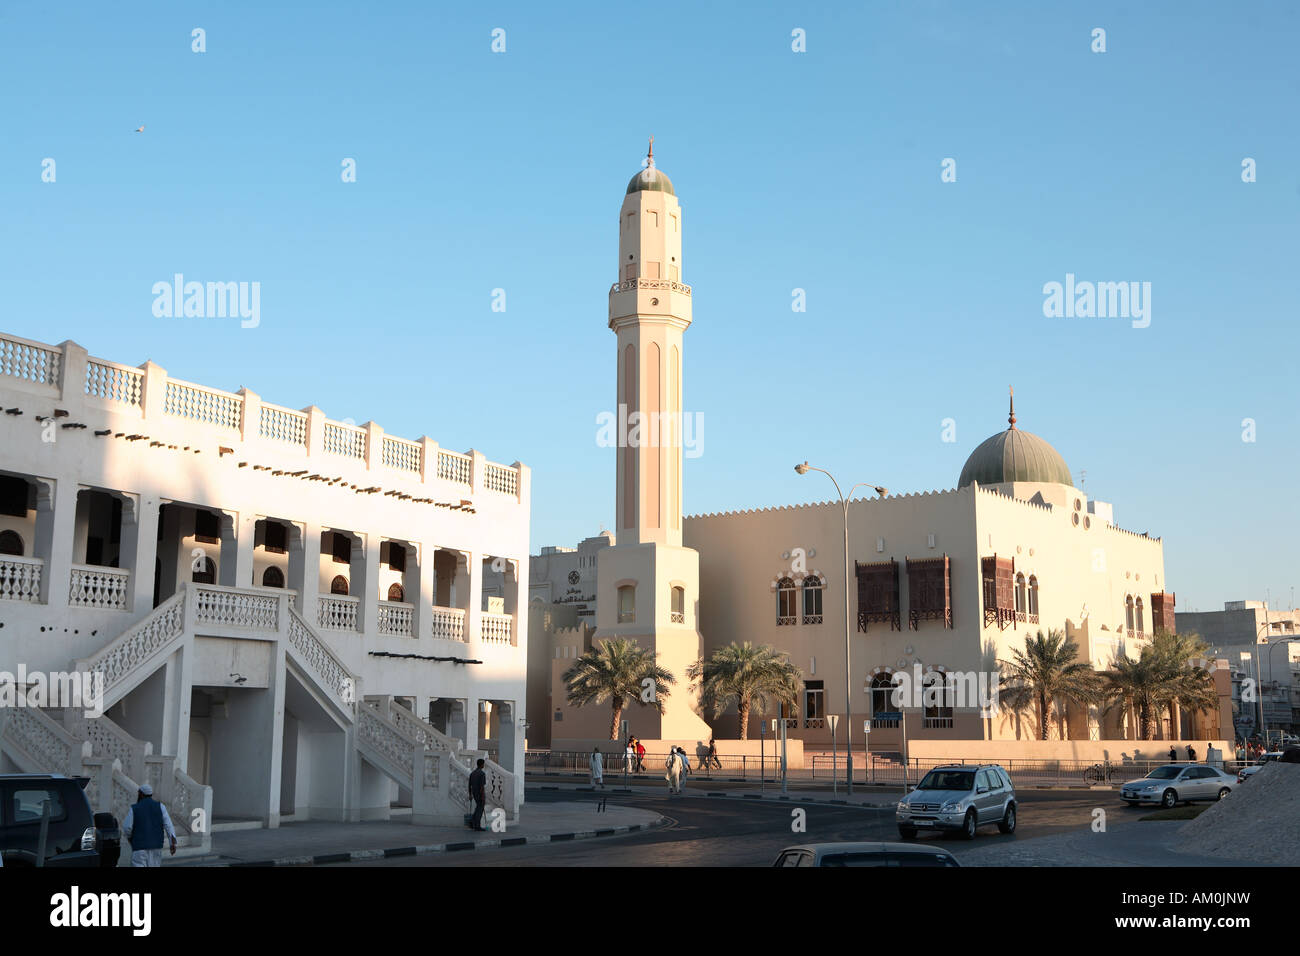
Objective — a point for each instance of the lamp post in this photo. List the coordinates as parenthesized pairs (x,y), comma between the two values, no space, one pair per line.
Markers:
(803,469)
(831,721)
(1259,691)
(1272,646)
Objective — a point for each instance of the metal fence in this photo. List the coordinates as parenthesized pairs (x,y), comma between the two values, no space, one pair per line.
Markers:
(737,767)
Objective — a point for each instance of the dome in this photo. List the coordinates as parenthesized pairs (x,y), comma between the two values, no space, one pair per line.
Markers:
(1014,455)
(651,179)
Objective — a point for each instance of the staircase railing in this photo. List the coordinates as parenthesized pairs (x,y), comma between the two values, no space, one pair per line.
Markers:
(107,739)
(39,744)
(121,658)
(323,664)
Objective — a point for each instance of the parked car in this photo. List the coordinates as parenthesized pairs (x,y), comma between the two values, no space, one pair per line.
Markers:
(961,798)
(75,835)
(1246,772)
(1176,783)
(865,854)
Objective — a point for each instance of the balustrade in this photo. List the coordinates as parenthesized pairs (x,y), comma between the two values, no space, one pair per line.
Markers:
(20,578)
(93,586)
(338,613)
(395,618)
(449,623)
(496,628)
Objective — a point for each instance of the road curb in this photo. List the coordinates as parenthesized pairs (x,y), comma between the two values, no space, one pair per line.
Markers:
(363,856)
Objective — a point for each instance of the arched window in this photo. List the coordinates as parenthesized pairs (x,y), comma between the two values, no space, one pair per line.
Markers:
(882,689)
(1128,613)
(627,604)
(273,577)
(1020,595)
(1033,598)
(396,593)
(786,605)
(812,599)
(11,543)
(1137,609)
(678,609)
(339,585)
(205,572)
(938,695)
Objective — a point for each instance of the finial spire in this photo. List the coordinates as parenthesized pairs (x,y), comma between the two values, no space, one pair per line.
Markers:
(1012,417)
(650,156)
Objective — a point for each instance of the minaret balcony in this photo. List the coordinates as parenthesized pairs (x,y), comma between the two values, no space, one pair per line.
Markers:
(667,285)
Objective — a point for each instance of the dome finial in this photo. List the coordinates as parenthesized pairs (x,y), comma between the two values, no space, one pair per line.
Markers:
(650,156)
(1012,417)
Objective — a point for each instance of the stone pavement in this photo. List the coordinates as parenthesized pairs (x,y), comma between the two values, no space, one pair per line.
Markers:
(1136,843)
(313,842)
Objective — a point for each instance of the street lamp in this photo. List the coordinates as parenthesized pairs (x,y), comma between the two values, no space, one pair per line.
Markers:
(803,469)
(1272,646)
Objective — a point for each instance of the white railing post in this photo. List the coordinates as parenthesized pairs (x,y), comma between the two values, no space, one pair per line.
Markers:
(374,446)
(250,422)
(73,374)
(153,391)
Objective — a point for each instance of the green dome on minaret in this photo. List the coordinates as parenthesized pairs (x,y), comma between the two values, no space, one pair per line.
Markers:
(650,178)
(1014,455)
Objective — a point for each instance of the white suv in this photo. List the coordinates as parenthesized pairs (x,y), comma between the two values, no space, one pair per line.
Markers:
(960,797)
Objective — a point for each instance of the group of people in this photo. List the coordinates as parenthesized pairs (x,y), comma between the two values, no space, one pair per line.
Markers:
(1250,751)
(678,764)
(634,756)
(1173,754)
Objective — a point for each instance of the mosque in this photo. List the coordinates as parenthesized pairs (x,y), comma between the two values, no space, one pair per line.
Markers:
(941,584)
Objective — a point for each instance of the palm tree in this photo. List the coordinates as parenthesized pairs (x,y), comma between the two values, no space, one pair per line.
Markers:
(747,676)
(1047,670)
(1161,677)
(617,670)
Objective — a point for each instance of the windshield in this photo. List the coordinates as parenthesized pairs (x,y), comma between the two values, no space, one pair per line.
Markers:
(1165,773)
(948,780)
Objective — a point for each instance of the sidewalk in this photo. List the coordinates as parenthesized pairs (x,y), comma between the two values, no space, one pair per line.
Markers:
(308,843)
(871,798)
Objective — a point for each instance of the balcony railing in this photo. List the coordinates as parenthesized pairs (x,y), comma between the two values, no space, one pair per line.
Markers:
(337,612)
(448,623)
(496,628)
(94,586)
(665,285)
(937,723)
(395,618)
(677,617)
(20,578)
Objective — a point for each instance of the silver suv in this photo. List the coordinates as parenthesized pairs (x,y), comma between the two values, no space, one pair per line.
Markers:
(961,798)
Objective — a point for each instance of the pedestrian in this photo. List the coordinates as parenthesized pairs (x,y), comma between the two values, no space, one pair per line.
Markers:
(640,756)
(1173,755)
(674,774)
(1191,754)
(146,822)
(686,767)
(597,768)
(712,758)
(629,752)
(478,793)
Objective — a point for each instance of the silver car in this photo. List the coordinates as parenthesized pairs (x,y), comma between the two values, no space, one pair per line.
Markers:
(865,854)
(1177,783)
(959,797)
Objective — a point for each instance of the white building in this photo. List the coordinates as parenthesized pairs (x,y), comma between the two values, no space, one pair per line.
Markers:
(293,616)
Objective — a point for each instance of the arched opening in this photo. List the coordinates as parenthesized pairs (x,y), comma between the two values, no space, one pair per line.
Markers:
(786,606)
(678,607)
(1020,596)
(1137,615)
(938,696)
(11,543)
(272,578)
(339,585)
(627,604)
(1033,599)
(882,699)
(1128,613)
(812,599)
(396,593)
(205,571)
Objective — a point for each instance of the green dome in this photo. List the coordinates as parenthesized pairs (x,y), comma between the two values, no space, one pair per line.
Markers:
(1014,455)
(651,179)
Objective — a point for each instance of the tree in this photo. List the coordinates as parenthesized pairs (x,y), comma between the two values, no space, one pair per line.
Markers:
(747,676)
(617,670)
(1162,676)
(1047,670)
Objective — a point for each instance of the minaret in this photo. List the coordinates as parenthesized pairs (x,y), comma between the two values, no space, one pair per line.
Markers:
(648,583)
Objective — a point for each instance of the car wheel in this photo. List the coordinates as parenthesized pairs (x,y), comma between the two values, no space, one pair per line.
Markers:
(1224,791)
(1008,821)
(968,825)
(907,833)
(1170,799)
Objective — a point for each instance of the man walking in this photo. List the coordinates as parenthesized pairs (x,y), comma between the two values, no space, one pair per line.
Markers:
(1173,755)
(686,768)
(597,763)
(1191,754)
(146,822)
(640,756)
(711,760)
(674,775)
(478,793)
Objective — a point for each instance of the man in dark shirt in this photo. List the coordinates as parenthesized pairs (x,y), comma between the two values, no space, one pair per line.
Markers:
(477,792)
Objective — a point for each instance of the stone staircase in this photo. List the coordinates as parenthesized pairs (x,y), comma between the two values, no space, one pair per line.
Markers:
(433,767)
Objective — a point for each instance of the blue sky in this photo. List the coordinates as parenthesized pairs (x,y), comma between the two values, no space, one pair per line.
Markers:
(819,171)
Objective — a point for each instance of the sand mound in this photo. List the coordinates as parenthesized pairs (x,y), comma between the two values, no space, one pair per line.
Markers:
(1258,822)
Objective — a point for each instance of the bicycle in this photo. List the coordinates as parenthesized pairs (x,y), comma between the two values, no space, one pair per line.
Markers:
(1100,773)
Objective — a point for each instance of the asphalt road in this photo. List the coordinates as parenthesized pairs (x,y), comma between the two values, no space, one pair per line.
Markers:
(715,831)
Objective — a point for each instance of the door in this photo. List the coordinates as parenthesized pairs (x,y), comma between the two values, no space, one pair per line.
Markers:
(986,803)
